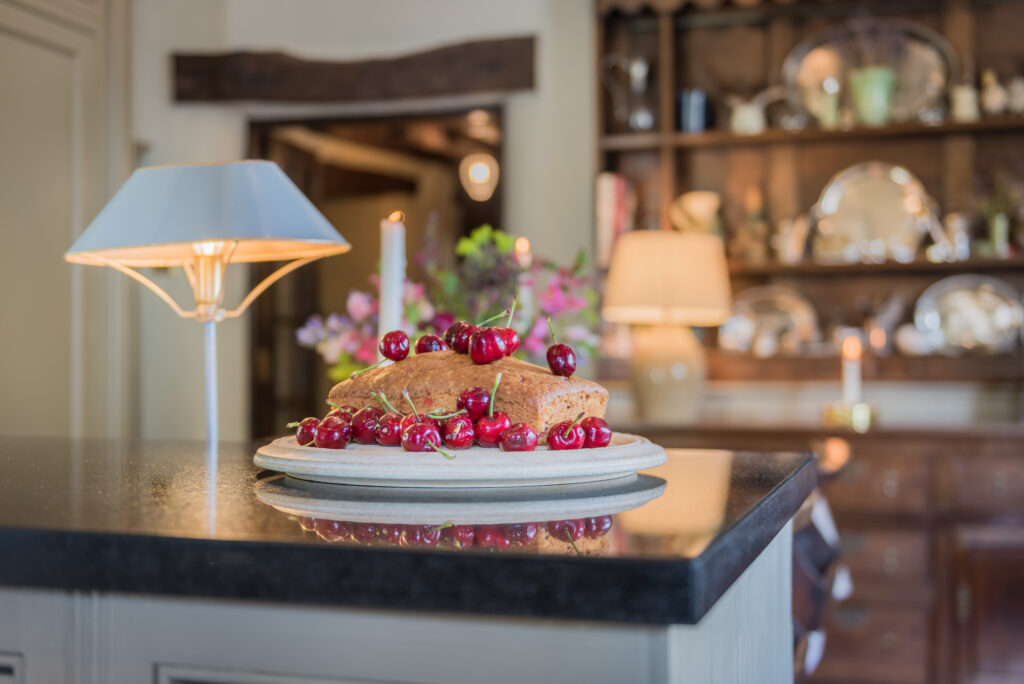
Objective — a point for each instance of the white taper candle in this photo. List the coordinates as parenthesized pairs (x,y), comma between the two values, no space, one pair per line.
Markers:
(851,370)
(392,273)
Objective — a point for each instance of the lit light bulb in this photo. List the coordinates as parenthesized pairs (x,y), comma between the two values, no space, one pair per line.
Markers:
(479,175)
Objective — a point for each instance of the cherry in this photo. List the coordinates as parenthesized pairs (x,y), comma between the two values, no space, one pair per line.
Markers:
(567,435)
(430,343)
(490,535)
(458,432)
(364,424)
(519,533)
(343,412)
(416,417)
(306,431)
(365,533)
(518,437)
(457,336)
(332,433)
(422,535)
(308,524)
(421,437)
(597,527)
(394,345)
(486,345)
(561,357)
(389,533)
(459,536)
(511,339)
(475,400)
(489,428)
(333,530)
(389,429)
(567,529)
(598,432)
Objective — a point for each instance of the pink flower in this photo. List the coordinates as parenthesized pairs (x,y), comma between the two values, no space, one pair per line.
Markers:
(533,342)
(367,352)
(413,291)
(360,305)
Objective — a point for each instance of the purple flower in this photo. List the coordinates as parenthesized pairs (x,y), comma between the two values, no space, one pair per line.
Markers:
(310,334)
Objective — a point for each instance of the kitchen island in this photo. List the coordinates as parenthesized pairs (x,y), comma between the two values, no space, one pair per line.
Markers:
(129,562)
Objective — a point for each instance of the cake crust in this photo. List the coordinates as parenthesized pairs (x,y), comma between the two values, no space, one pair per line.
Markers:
(527,393)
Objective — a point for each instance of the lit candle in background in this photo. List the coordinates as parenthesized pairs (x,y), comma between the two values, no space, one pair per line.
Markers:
(851,370)
(392,273)
(525,290)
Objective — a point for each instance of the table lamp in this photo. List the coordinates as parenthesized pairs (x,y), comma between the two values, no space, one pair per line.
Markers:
(202,218)
(662,282)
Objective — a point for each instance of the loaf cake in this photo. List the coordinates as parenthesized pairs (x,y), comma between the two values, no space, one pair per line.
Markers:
(527,393)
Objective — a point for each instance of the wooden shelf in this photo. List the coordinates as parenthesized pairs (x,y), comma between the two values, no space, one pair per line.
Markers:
(967,368)
(888,268)
(652,141)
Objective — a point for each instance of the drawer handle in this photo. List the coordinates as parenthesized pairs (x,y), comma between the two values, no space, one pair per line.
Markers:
(890,484)
(891,561)
(1000,485)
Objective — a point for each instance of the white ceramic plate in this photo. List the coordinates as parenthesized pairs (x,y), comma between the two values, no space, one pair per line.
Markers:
(378,466)
(491,506)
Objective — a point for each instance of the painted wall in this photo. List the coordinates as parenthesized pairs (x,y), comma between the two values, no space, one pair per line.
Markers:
(549,159)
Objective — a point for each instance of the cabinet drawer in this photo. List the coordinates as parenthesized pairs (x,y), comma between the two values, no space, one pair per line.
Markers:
(886,554)
(886,485)
(865,643)
(988,483)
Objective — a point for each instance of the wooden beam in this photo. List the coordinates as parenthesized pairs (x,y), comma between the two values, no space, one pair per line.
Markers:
(485,66)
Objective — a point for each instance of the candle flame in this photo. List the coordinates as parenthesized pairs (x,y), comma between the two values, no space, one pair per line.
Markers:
(522,246)
(851,348)
(397,217)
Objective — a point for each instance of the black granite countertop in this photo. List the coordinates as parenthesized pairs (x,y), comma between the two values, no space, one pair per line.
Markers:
(156,518)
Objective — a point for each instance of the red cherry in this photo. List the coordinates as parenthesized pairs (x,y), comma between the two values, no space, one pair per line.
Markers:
(421,437)
(561,360)
(422,535)
(306,430)
(598,432)
(389,429)
(364,533)
(308,524)
(394,345)
(598,527)
(490,535)
(333,530)
(457,336)
(389,533)
(519,533)
(475,400)
(566,435)
(343,412)
(511,339)
(459,536)
(458,432)
(364,424)
(411,419)
(332,433)
(489,428)
(518,437)
(430,343)
(563,530)
(486,345)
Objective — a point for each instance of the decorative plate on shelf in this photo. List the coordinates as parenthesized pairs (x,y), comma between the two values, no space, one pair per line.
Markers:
(923,62)
(873,212)
(971,313)
(369,464)
(769,321)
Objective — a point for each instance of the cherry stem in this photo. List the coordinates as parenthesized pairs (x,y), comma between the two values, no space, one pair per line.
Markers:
(294,423)
(373,395)
(405,395)
(572,425)
(445,416)
(383,397)
(568,535)
(494,390)
(355,373)
(439,450)
(512,311)
(493,318)
(443,526)
(552,329)
(332,404)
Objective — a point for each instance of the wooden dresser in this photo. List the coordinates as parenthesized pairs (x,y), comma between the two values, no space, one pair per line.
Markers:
(932,530)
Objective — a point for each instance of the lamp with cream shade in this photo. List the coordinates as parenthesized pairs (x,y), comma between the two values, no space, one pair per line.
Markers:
(202,218)
(662,283)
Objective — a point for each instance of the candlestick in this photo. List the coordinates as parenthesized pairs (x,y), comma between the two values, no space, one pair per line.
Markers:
(392,273)
(851,370)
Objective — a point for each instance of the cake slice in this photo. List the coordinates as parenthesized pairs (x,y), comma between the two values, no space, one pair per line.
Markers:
(527,393)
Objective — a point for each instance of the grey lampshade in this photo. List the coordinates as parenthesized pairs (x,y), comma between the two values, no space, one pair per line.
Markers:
(660,276)
(161,212)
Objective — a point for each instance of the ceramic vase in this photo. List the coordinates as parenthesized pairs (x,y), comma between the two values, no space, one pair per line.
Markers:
(871,89)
